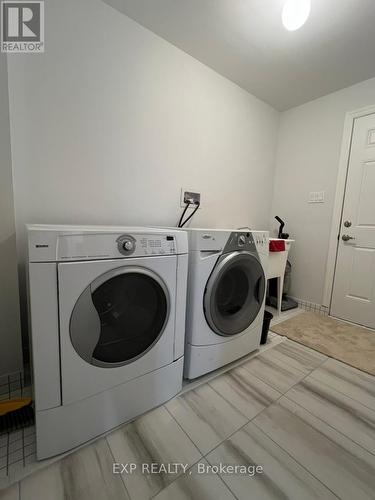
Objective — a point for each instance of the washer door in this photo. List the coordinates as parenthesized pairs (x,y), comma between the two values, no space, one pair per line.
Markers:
(119,317)
(234,293)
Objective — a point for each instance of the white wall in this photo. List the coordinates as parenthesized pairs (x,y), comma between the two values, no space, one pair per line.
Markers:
(10,333)
(112,121)
(307,160)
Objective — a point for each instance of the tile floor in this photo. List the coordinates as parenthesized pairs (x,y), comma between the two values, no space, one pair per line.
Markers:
(17,449)
(309,421)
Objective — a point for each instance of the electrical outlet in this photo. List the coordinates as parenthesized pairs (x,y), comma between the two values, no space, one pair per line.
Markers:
(189,196)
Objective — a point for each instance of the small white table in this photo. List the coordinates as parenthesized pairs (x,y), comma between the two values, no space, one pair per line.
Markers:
(276,268)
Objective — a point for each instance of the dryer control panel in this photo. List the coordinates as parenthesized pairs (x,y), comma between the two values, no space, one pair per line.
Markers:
(112,246)
(74,243)
(151,245)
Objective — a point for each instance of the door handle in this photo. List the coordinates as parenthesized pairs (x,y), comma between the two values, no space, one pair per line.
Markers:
(346,237)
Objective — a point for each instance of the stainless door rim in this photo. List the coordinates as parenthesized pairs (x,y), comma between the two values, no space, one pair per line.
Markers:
(222,262)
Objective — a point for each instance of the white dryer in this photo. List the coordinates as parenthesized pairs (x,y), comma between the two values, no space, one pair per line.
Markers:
(107,315)
(226,294)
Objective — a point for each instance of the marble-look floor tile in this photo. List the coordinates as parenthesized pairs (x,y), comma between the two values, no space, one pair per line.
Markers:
(348,380)
(196,484)
(340,464)
(244,391)
(153,438)
(297,355)
(11,493)
(282,477)
(84,475)
(188,385)
(206,417)
(273,371)
(346,415)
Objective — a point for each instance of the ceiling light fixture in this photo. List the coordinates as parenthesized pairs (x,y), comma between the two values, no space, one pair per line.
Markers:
(295,13)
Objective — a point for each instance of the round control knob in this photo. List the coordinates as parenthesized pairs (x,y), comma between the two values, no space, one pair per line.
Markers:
(128,245)
(241,240)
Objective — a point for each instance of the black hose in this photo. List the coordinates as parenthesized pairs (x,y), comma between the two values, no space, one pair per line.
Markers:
(181,224)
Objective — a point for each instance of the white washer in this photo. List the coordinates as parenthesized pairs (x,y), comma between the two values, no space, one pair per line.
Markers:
(107,316)
(226,294)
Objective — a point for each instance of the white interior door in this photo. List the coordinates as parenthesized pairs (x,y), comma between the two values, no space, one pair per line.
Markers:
(353,296)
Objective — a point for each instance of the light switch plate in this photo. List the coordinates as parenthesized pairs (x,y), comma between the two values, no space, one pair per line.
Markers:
(316,197)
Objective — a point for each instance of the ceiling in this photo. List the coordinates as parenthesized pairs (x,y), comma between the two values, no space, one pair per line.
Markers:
(245,41)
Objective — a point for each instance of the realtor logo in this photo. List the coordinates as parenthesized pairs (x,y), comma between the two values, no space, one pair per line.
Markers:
(22,27)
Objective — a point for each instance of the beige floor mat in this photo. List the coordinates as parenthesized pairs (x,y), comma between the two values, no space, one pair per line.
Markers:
(351,344)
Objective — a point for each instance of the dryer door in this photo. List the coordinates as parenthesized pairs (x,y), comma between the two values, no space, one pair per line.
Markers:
(119,316)
(234,293)
(116,321)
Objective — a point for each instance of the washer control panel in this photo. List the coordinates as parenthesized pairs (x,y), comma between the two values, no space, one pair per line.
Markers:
(241,240)
(261,238)
(251,241)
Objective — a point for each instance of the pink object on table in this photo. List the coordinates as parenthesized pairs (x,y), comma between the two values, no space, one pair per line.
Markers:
(277,246)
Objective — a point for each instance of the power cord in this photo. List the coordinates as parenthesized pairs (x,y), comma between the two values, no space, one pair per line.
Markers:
(191,215)
(183,213)
(182,224)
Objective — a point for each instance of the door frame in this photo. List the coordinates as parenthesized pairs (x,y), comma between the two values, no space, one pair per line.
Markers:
(338,206)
